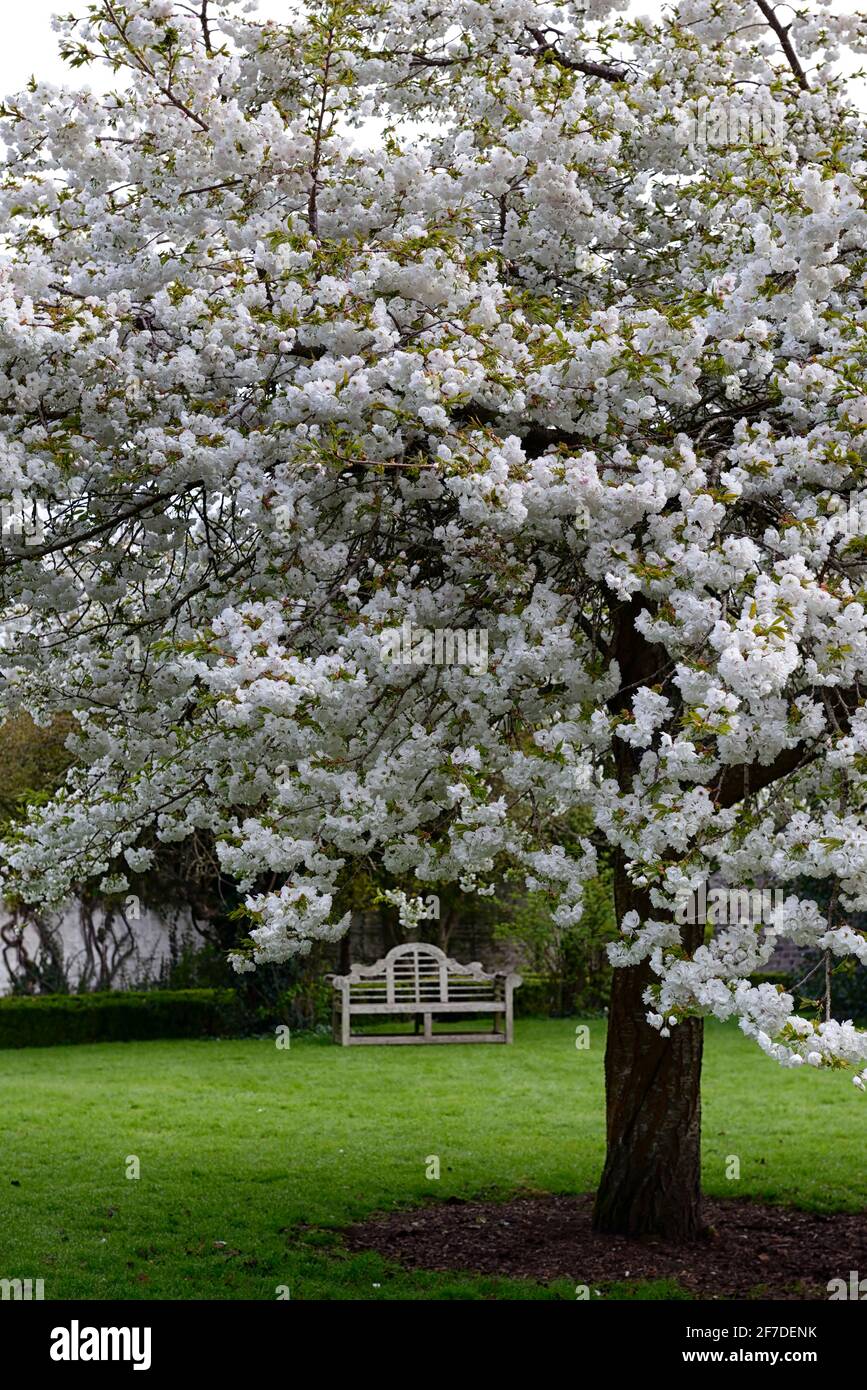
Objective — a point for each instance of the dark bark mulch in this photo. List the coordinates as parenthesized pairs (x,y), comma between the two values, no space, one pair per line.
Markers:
(752,1251)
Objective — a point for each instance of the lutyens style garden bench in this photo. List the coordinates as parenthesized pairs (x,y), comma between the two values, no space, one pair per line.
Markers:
(420,980)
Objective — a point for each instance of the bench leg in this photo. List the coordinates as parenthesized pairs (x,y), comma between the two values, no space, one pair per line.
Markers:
(345,1022)
(428,1028)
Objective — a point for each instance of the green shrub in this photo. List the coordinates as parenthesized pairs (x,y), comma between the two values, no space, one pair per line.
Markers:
(44,1020)
(535,998)
(306,1005)
(293,992)
(549,996)
(571,960)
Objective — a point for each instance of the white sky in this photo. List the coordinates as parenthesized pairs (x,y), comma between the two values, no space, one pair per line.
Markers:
(29,46)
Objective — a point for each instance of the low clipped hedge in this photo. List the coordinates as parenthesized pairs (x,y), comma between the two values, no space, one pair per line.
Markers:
(44,1020)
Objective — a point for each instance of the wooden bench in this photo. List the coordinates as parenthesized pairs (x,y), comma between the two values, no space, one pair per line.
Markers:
(420,980)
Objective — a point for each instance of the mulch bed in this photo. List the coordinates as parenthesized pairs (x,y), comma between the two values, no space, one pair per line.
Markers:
(752,1251)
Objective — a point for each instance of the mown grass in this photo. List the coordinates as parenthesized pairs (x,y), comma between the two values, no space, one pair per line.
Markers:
(253,1157)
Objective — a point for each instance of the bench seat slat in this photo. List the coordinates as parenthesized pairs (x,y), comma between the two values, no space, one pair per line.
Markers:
(409,1006)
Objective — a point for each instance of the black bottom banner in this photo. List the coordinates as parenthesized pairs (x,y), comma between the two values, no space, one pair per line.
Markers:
(148,1338)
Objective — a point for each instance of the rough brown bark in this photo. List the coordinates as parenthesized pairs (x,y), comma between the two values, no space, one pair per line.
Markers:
(651,1181)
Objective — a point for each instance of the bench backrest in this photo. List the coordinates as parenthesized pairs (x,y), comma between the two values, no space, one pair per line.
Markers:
(417,973)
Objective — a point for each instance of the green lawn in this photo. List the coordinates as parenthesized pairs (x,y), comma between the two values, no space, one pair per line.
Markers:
(253,1157)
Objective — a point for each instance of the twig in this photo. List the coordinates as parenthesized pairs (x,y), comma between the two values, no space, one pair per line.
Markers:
(206,28)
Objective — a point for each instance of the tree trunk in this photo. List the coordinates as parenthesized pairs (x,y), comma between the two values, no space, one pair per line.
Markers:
(444,931)
(651,1181)
(344,963)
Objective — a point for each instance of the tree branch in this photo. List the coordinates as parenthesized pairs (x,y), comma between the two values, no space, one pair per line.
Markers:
(782,33)
(584,65)
(742,780)
(206,28)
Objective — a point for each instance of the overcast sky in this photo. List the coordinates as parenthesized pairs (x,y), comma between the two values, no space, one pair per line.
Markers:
(28,44)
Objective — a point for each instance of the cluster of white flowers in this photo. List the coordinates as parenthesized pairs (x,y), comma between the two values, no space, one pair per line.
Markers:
(410,910)
(276,386)
(289,922)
